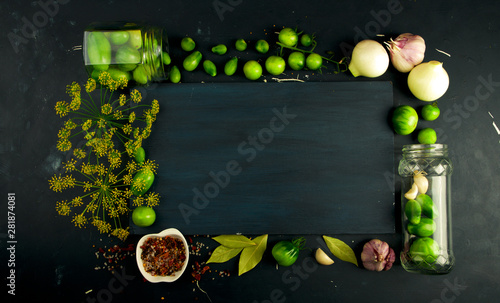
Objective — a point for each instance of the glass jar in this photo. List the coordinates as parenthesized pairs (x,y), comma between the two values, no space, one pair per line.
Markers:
(137,52)
(426,213)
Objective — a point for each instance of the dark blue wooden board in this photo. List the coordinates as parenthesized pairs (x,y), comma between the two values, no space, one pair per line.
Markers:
(278,158)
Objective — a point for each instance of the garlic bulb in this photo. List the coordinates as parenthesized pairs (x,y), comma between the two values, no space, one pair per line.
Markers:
(406,51)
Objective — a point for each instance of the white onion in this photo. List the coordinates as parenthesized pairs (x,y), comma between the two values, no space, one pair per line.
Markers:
(369,59)
(428,81)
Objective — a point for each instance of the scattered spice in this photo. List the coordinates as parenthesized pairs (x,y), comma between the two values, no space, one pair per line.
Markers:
(113,256)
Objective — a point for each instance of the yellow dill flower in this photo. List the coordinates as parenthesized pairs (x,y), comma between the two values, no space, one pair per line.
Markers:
(127,179)
(138,185)
(155,107)
(127,193)
(64,133)
(112,178)
(79,153)
(77,201)
(70,124)
(90,86)
(87,168)
(87,186)
(70,165)
(122,82)
(92,206)
(150,164)
(56,183)
(113,213)
(101,169)
(87,124)
(102,226)
(79,220)
(152,199)
(117,114)
(63,208)
(73,89)
(106,109)
(136,96)
(104,78)
(113,85)
(127,129)
(120,233)
(101,123)
(131,166)
(122,99)
(138,201)
(146,132)
(131,117)
(75,103)
(89,136)
(69,181)
(62,108)
(64,145)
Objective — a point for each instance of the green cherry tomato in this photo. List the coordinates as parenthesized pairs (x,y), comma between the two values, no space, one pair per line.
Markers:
(404,120)
(430,112)
(166,58)
(140,75)
(240,45)
(127,55)
(296,60)
(427,136)
(143,216)
(424,250)
(306,40)
(286,252)
(135,39)
(252,70)
(140,155)
(275,65)
(191,62)
(262,46)
(231,66)
(187,44)
(424,228)
(314,61)
(288,36)
(98,50)
(142,181)
(210,68)
(175,74)
(220,49)
(429,209)
(413,211)
(119,37)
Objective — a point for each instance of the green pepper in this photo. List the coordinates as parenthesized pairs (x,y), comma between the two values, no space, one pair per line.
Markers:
(175,74)
(142,181)
(429,209)
(210,68)
(424,228)
(230,67)
(413,211)
(220,49)
(424,250)
(98,50)
(191,62)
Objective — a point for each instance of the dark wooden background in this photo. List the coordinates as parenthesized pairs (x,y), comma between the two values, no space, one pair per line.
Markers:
(56,260)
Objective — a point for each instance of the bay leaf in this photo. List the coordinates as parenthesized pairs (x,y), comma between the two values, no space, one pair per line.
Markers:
(252,255)
(234,241)
(341,250)
(223,253)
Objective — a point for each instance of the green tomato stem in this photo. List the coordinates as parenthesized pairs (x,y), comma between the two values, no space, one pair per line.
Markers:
(311,51)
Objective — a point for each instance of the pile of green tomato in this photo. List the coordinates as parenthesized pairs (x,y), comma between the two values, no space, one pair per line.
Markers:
(421,214)
(252,69)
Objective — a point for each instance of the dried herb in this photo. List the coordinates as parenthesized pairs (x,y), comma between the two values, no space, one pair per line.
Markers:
(341,250)
(223,254)
(251,256)
(234,241)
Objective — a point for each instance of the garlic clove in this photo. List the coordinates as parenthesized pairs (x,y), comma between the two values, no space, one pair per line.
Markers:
(412,193)
(322,257)
(421,181)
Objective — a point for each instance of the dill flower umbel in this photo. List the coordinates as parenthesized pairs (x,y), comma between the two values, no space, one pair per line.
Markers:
(113,129)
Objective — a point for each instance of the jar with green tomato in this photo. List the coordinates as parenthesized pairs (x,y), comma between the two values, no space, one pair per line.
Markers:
(425,171)
(137,52)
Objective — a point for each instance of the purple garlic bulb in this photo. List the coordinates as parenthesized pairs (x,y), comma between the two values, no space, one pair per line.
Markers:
(377,255)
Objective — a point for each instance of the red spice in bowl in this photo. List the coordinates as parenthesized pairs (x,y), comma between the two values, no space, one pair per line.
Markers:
(163,256)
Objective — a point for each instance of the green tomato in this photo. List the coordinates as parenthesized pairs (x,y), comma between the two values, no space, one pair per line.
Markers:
(119,37)
(98,50)
(306,40)
(240,45)
(427,136)
(191,62)
(188,44)
(143,216)
(116,74)
(140,75)
(262,46)
(425,228)
(166,58)
(231,66)
(424,250)
(430,112)
(175,74)
(275,65)
(142,181)
(210,68)
(429,209)
(220,49)
(297,60)
(135,39)
(127,55)
(314,61)
(413,211)
(288,36)
(252,70)
(404,120)
(285,253)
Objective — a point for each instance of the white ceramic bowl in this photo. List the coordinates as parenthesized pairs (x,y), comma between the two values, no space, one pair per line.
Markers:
(138,251)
